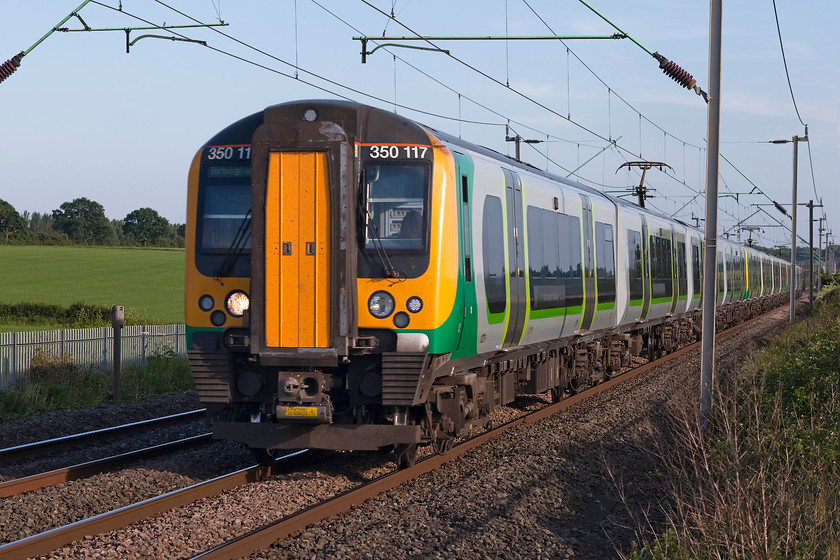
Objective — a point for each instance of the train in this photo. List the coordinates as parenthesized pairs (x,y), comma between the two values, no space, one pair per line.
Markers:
(358,281)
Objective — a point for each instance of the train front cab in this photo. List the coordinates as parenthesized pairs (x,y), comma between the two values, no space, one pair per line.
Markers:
(355,281)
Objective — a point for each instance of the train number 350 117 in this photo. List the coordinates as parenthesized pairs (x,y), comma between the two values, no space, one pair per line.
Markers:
(393,152)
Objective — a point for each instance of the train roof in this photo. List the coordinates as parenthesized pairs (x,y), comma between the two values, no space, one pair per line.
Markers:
(551,176)
(242,130)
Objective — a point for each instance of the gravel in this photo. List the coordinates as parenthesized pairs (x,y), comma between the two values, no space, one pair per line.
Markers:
(551,489)
(66,422)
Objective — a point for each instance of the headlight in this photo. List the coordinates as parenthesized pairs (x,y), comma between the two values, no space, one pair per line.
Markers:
(237,303)
(217,318)
(205,302)
(401,320)
(381,304)
(414,304)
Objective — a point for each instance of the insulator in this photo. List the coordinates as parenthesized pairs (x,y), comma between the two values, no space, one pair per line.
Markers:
(678,74)
(8,68)
(675,72)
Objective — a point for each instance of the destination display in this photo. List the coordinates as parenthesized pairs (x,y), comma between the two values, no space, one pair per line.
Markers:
(228,171)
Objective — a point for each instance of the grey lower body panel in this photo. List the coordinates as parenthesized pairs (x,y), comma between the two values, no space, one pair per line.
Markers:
(320,436)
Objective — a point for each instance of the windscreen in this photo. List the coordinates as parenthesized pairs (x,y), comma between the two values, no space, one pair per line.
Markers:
(226,199)
(396,206)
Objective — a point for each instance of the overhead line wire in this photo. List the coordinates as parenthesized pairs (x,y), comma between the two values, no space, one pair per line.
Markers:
(784,60)
(491,78)
(609,89)
(792,96)
(591,71)
(360,92)
(274,70)
(439,82)
(498,82)
(641,116)
(446,86)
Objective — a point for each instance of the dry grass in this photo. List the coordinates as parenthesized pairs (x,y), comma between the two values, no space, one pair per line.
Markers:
(763,481)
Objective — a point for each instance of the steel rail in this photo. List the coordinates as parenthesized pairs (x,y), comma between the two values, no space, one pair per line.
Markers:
(263,537)
(54,444)
(46,542)
(57,476)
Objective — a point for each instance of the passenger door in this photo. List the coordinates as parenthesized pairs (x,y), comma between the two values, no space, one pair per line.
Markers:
(645,269)
(589,281)
(516,260)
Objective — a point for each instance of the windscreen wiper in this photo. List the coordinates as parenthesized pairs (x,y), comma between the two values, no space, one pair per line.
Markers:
(388,269)
(236,247)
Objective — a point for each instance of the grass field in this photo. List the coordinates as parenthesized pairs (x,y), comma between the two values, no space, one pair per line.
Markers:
(147,281)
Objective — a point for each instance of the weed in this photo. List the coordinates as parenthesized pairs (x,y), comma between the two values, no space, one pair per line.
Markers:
(763,480)
(56,384)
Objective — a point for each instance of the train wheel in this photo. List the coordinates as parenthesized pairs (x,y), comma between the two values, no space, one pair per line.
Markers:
(556,394)
(443,445)
(575,386)
(264,456)
(406,455)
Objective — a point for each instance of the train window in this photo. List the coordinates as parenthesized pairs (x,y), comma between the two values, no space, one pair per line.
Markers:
(223,210)
(550,241)
(605,259)
(696,269)
(682,277)
(661,263)
(730,271)
(736,264)
(571,261)
(493,242)
(749,272)
(720,277)
(466,227)
(766,276)
(634,262)
(396,194)
(547,292)
(535,244)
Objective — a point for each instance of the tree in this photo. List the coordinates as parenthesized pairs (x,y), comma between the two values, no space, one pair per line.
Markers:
(12,224)
(83,221)
(41,224)
(146,226)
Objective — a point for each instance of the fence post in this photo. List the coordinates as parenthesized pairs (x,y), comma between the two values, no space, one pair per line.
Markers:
(178,339)
(14,368)
(117,320)
(104,349)
(61,343)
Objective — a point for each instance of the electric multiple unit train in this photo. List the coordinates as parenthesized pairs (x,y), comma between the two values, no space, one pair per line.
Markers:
(358,281)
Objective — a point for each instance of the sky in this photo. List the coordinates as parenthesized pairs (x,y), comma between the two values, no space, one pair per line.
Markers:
(82,118)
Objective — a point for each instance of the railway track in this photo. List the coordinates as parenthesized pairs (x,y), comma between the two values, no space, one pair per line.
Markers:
(18,486)
(42,543)
(272,532)
(264,536)
(53,445)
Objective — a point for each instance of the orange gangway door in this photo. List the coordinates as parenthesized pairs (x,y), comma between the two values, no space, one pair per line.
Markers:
(297,251)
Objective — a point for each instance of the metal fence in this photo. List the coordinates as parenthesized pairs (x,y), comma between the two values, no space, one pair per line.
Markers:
(85,346)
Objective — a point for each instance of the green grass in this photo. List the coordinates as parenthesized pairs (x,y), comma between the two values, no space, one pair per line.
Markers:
(22,328)
(61,385)
(147,282)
